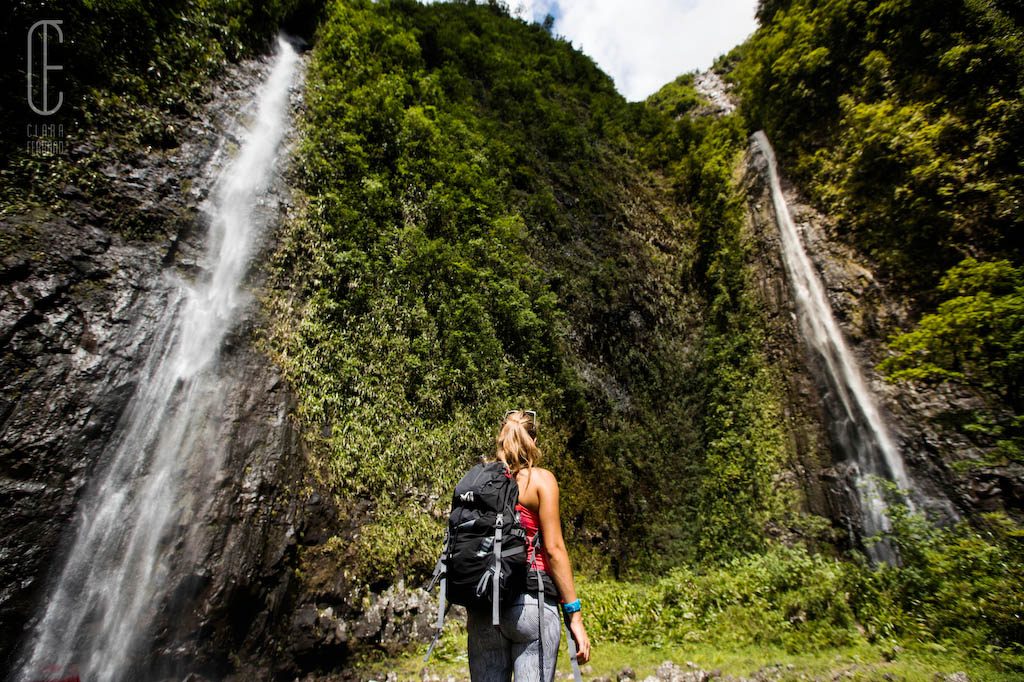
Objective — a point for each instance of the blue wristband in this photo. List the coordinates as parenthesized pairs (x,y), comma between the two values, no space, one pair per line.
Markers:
(571,607)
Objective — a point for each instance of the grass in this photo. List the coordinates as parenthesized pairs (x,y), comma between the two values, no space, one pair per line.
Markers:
(862,662)
(925,662)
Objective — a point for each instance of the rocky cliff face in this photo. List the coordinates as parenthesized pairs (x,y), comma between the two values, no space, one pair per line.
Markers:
(809,452)
(868,314)
(81,303)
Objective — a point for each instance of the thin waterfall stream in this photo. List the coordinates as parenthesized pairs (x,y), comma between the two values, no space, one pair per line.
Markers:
(858,425)
(133,524)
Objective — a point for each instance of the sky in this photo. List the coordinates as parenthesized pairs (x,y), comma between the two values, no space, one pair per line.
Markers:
(643,44)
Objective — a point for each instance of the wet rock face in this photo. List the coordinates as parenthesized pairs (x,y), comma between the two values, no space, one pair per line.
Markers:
(868,314)
(809,449)
(79,310)
(71,326)
(320,638)
(997,488)
(80,303)
(241,582)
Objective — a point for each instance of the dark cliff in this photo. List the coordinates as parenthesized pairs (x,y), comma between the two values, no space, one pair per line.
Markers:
(81,307)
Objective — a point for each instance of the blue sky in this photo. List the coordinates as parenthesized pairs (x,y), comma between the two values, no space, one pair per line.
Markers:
(643,44)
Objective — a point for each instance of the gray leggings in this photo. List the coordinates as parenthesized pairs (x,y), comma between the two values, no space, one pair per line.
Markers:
(495,653)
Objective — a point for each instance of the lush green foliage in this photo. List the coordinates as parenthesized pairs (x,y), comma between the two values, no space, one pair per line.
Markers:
(960,587)
(902,118)
(957,599)
(483,222)
(130,67)
(976,336)
(735,496)
(783,597)
(903,121)
(426,310)
(677,98)
(475,235)
(742,448)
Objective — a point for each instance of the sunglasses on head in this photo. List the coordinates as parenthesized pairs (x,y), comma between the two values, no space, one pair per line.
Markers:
(532,414)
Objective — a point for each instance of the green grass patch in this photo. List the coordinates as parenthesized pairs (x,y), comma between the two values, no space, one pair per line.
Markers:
(862,662)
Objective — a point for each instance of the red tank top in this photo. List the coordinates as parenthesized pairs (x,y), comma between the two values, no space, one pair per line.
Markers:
(531,524)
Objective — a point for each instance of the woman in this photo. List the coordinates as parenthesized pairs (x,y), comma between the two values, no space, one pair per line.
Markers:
(515,646)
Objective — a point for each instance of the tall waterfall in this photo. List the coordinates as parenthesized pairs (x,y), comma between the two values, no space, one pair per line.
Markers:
(859,427)
(133,524)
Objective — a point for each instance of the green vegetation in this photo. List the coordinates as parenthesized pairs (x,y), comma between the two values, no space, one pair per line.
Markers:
(958,588)
(975,337)
(902,119)
(953,605)
(422,315)
(743,428)
(861,662)
(131,70)
(485,223)
(476,233)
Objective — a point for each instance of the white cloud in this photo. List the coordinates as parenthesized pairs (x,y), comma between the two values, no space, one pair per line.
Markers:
(643,44)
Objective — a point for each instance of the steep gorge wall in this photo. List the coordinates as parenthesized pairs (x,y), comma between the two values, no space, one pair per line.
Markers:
(81,303)
(807,443)
(867,315)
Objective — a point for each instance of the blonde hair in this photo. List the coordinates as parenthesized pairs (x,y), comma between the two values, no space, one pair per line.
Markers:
(517,442)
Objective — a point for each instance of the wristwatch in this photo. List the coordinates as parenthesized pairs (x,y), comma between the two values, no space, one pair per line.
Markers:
(571,607)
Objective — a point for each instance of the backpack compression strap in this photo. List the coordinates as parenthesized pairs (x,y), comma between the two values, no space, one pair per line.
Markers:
(440,574)
(441,608)
(569,641)
(540,606)
(496,575)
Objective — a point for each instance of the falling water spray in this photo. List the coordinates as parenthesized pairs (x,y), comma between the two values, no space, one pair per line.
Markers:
(858,426)
(130,527)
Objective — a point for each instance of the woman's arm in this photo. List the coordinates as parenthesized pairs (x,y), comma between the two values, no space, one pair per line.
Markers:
(551,534)
(558,558)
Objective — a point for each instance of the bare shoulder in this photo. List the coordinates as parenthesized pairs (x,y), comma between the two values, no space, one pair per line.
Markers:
(536,481)
(545,479)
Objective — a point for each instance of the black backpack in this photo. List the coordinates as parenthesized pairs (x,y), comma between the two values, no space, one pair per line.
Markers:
(484,555)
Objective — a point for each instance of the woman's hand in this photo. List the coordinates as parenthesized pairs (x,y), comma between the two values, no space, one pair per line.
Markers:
(579,635)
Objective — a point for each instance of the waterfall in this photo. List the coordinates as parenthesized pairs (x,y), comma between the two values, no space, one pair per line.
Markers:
(133,524)
(858,427)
